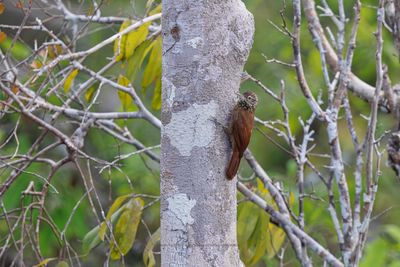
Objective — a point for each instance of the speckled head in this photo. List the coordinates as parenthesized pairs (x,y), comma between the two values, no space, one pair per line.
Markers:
(248,100)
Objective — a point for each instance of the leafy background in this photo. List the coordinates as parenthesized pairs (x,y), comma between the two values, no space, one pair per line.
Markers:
(257,247)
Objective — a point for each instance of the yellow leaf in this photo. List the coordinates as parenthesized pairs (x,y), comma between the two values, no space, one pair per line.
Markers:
(135,38)
(156,102)
(54,50)
(19,5)
(125,229)
(36,64)
(70,79)
(122,80)
(51,52)
(275,243)
(263,191)
(125,99)
(44,262)
(139,55)
(119,43)
(89,93)
(3,36)
(291,199)
(148,255)
(2,8)
(153,67)
(15,89)
(114,207)
(58,48)
(90,11)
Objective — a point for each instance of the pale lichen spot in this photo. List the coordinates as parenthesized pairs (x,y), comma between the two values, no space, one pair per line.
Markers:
(192,127)
(195,42)
(170,89)
(180,206)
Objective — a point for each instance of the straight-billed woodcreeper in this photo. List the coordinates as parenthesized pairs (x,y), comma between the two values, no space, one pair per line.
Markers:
(240,130)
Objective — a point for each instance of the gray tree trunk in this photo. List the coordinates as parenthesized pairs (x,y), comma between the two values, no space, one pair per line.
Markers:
(205,46)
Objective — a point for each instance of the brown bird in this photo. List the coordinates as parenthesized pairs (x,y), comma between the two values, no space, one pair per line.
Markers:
(240,129)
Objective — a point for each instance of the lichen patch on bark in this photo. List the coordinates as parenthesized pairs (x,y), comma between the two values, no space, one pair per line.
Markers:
(179,206)
(170,92)
(192,127)
(195,42)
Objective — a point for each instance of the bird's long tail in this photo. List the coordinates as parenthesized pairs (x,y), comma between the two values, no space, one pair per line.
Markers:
(233,164)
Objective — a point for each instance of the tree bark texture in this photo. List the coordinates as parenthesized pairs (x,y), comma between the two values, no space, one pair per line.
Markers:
(205,46)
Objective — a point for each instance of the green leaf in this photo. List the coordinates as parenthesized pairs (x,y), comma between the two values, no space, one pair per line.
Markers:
(252,232)
(19,50)
(156,102)
(62,264)
(69,80)
(375,254)
(125,230)
(119,43)
(156,10)
(393,231)
(256,235)
(135,38)
(247,220)
(153,68)
(125,99)
(91,240)
(246,225)
(291,168)
(275,235)
(259,239)
(148,255)
(114,207)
